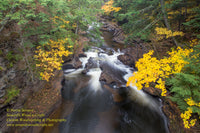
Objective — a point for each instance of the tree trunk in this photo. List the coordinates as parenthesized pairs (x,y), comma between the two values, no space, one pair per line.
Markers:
(166,21)
(76,32)
(179,21)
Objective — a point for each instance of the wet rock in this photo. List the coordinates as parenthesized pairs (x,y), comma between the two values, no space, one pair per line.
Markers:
(111,74)
(132,54)
(84,71)
(127,60)
(82,55)
(67,66)
(77,63)
(106,78)
(92,63)
(152,91)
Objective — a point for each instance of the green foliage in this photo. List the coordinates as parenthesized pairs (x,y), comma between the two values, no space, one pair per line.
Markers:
(39,21)
(186,85)
(193,22)
(184,15)
(1,52)
(10,56)
(95,35)
(1,68)
(12,92)
(87,47)
(10,65)
(137,17)
(46,19)
(83,13)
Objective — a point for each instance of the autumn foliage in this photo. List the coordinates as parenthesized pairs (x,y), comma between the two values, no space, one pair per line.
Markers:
(49,57)
(186,116)
(165,33)
(150,69)
(181,70)
(108,7)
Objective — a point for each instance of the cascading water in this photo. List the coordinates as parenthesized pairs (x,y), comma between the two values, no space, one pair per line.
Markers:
(96,109)
(92,104)
(94,81)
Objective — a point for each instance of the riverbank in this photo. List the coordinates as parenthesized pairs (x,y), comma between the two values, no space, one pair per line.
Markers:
(134,51)
(41,96)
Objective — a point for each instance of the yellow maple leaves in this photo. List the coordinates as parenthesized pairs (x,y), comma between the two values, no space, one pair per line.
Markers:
(108,7)
(165,33)
(191,102)
(186,118)
(50,57)
(193,42)
(57,20)
(150,69)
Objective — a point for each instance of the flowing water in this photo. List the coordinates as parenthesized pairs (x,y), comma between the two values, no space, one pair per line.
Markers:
(94,105)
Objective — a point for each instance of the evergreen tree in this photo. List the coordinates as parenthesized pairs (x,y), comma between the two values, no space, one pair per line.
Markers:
(83,13)
(139,18)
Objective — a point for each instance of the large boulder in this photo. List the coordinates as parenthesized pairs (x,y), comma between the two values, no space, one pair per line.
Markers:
(92,63)
(127,60)
(111,74)
(82,55)
(67,66)
(106,78)
(77,63)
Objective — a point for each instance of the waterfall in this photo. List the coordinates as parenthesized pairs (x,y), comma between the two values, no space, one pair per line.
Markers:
(94,81)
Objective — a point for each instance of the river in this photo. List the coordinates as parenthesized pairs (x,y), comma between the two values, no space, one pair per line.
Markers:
(92,104)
